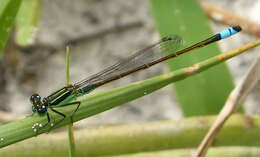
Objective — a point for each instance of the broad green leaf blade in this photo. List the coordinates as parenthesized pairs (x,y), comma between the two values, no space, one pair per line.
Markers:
(8,11)
(196,95)
(100,102)
(26,22)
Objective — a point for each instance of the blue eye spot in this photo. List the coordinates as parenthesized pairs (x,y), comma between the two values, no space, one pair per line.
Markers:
(43,106)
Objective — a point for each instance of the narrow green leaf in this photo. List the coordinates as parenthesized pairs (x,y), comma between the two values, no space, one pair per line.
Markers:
(26,22)
(8,11)
(186,19)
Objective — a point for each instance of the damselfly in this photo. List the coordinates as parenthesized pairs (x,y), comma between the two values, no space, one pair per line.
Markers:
(140,60)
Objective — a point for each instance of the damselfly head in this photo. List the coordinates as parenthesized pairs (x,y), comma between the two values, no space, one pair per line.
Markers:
(35,100)
(37,105)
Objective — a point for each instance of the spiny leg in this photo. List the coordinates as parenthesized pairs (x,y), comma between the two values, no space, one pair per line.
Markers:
(59,113)
(49,120)
(68,104)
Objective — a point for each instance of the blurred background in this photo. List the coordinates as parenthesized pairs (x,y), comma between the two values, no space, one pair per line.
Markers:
(99,34)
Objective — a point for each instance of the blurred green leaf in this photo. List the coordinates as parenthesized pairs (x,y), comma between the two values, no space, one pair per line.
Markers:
(197,94)
(26,22)
(8,11)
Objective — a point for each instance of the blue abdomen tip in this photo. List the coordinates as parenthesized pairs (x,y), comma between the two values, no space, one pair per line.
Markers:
(230,31)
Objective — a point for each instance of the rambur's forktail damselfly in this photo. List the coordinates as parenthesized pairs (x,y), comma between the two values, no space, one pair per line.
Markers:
(140,60)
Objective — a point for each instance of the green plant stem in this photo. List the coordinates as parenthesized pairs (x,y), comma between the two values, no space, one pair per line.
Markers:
(72,148)
(100,102)
(240,130)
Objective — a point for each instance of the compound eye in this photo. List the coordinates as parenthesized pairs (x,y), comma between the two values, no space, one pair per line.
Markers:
(35,99)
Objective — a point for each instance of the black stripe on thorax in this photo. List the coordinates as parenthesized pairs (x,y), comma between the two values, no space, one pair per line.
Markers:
(60,98)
